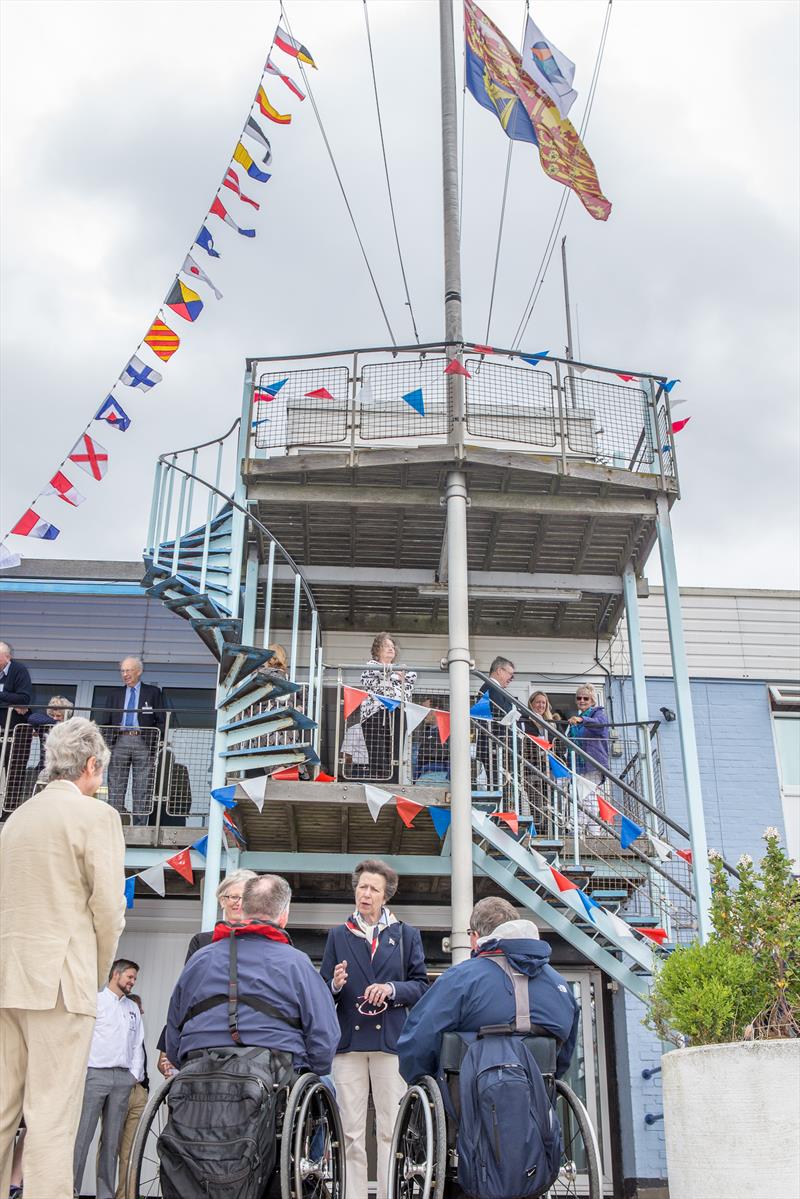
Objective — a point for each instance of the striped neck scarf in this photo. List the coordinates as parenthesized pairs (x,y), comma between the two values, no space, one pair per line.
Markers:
(370,932)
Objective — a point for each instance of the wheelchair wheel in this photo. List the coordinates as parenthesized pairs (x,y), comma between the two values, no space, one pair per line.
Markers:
(580,1173)
(418,1155)
(144,1169)
(312,1164)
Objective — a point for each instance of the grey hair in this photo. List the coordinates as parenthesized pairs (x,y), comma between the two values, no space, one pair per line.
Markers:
(266,897)
(69,747)
(588,687)
(488,913)
(58,701)
(233,879)
(133,658)
(498,662)
(6,648)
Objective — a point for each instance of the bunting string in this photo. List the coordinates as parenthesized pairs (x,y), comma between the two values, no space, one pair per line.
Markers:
(87,454)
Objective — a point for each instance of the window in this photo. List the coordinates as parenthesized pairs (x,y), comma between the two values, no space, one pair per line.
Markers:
(785,706)
(42,693)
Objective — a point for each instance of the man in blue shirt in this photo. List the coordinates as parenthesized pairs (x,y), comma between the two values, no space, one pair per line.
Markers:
(131,725)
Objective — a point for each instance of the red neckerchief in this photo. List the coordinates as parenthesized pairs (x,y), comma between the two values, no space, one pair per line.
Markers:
(271,931)
(354,927)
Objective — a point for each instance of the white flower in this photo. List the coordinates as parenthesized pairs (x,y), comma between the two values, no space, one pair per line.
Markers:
(770,832)
(745,860)
(714,855)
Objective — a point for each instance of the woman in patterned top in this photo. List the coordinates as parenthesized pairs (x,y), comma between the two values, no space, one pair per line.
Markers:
(381,724)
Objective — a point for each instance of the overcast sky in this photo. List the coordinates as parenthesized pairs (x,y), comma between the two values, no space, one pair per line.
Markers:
(117,122)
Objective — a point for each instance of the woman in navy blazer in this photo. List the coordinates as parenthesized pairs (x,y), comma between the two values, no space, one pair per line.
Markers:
(375,967)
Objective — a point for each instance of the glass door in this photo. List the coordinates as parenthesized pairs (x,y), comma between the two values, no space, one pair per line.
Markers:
(587,1073)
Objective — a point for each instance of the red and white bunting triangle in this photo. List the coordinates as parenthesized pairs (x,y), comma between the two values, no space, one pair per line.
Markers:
(541,741)
(455,368)
(443,725)
(288,774)
(376,799)
(153,876)
(322,777)
(663,851)
(562,882)
(605,810)
(415,714)
(254,789)
(509,818)
(686,854)
(659,935)
(182,862)
(407,810)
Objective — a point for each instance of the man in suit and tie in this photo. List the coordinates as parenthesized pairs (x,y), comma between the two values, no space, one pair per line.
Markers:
(132,722)
(15,693)
(62,881)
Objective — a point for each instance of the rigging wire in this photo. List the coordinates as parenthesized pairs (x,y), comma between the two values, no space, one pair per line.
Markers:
(503,205)
(386,172)
(550,245)
(339,181)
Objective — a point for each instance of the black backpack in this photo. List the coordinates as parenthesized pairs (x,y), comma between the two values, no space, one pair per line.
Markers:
(509,1138)
(219,1141)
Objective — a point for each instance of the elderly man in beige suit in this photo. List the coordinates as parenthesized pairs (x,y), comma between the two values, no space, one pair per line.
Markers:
(62,879)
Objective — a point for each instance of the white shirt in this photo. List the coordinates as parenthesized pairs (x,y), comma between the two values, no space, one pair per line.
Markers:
(118,1036)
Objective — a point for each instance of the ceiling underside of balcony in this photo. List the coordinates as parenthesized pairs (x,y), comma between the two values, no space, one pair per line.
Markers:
(545,551)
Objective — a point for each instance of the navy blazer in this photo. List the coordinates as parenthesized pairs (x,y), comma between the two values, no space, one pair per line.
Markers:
(149,697)
(399,959)
(16,693)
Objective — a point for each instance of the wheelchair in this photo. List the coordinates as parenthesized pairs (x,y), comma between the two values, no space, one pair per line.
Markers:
(311,1159)
(423,1160)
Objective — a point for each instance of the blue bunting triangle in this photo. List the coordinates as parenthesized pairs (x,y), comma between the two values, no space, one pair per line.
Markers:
(225,796)
(668,386)
(391,704)
(628,832)
(588,903)
(535,359)
(202,846)
(130,889)
(557,769)
(415,400)
(482,708)
(441,818)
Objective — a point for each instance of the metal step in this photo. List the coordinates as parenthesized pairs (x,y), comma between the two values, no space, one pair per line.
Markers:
(202,603)
(229,628)
(238,660)
(298,719)
(255,689)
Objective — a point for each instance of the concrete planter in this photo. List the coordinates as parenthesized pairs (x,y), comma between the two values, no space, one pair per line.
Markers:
(731,1116)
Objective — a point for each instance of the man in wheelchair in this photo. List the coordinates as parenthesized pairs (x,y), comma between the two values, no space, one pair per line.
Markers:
(248,1014)
(492,1031)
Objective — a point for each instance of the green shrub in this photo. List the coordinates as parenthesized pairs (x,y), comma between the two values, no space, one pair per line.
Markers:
(745,981)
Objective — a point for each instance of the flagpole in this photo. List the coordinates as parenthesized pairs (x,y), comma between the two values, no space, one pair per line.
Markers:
(570,354)
(458,655)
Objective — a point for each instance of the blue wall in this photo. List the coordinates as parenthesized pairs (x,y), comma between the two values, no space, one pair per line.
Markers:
(738,769)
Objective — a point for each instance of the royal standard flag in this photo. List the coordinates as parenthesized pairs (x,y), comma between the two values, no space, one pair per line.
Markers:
(161,340)
(184,301)
(495,76)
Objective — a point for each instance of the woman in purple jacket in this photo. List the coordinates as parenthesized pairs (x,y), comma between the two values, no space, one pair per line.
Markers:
(375,968)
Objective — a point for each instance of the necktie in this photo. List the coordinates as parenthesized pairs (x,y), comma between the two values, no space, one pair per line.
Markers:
(130,706)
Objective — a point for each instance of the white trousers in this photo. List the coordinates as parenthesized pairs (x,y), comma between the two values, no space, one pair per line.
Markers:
(354,1075)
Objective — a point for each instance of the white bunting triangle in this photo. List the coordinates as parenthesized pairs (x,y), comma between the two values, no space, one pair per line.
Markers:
(254,789)
(511,717)
(153,876)
(585,789)
(376,798)
(365,395)
(415,714)
(663,851)
(623,931)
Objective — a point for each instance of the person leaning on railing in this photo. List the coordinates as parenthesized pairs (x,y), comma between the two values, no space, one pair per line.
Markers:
(589,730)
(381,728)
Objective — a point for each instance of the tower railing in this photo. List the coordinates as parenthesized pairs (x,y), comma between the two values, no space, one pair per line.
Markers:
(553,407)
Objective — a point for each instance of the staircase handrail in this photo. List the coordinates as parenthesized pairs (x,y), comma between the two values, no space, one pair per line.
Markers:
(630,791)
(288,559)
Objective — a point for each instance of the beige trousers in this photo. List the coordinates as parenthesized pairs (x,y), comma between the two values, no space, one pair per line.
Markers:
(43,1058)
(355,1074)
(136,1105)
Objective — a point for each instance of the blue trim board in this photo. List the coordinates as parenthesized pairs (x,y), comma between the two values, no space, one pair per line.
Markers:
(64,587)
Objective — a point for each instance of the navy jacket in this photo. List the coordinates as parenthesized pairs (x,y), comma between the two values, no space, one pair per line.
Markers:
(150,698)
(399,959)
(475,993)
(16,693)
(270,968)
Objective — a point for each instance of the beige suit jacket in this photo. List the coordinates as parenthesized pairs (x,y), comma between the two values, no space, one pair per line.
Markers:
(62,901)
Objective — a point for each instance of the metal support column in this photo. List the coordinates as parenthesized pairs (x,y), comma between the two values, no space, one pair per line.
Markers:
(638,679)
(458,655)
(218,773)
(686,730)
(250,597)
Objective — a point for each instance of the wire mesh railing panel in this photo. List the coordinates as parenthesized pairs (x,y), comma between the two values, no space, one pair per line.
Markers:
(370,749)
(301,407)
(185,784)
(278,708)
(509,403)
(664,426)
(609,422)
(403,399)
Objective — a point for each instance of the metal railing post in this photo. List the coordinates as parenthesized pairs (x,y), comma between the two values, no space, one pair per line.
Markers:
(337,730)
(295,629)
(318,703)
(573,791)
(162,772)
(165,472)
(153,521)
(268,593)
(312,657)
(179,525)
(562,420)
(168,505)
(515,773)
(188,521)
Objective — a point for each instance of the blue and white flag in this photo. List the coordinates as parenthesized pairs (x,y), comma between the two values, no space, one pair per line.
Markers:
(114,414)
(549,69)
(139,374)
(206,242)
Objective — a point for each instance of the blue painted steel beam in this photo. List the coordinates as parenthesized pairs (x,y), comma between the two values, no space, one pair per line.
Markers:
(139,858)
(71,587)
